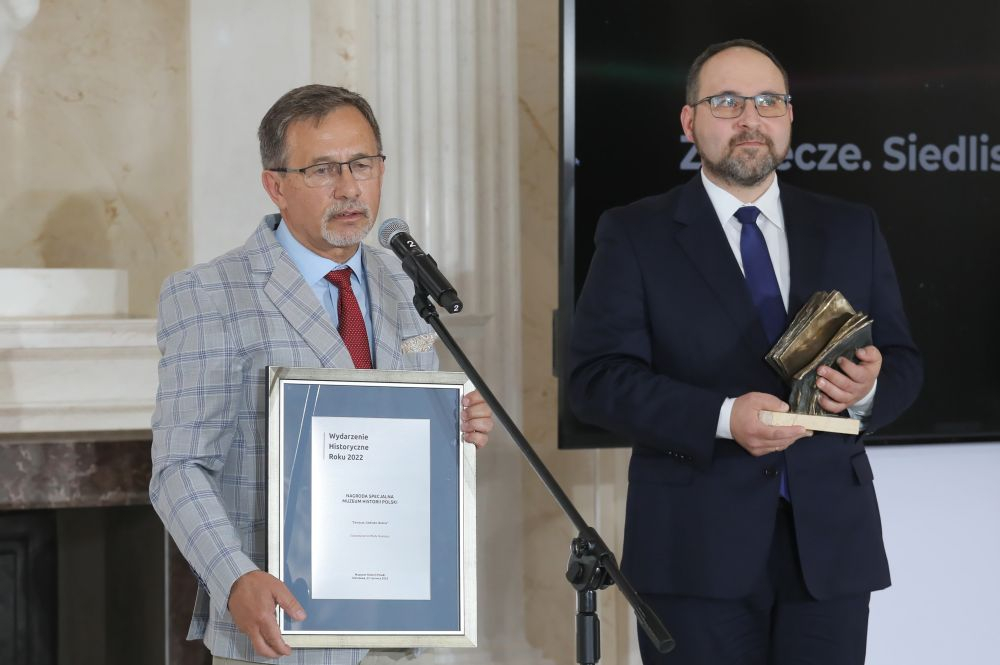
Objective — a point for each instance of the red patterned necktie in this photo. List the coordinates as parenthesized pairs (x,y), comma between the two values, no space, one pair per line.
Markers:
(350,323)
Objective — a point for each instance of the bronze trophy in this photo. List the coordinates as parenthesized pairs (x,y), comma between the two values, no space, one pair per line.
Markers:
(826,328)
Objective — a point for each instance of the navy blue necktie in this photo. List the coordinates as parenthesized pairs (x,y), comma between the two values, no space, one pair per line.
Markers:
(764,291)
(760,274)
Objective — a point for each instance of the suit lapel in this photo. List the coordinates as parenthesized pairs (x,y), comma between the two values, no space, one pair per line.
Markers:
(704,241)
(291,296)
(384,298)
(806,241)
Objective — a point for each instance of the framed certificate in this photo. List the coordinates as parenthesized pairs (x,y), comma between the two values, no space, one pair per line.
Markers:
(371,507)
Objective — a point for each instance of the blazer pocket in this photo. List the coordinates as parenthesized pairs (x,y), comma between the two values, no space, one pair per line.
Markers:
(862,469)
(418,343)
(660,471)
(418,360)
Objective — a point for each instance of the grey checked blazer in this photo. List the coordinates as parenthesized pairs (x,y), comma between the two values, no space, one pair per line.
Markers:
(220,325)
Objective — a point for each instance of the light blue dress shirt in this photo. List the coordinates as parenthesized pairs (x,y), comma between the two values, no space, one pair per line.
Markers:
(314,268)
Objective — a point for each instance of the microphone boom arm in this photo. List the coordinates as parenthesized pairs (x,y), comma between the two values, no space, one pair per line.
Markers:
(592,565)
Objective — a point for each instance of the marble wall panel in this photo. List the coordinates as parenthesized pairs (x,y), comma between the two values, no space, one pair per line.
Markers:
(595,480)
(94,101)
(549,600)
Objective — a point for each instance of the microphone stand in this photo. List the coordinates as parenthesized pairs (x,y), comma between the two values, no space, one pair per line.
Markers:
(592,565)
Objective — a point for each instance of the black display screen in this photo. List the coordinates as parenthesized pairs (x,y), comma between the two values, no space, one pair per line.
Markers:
(894,107)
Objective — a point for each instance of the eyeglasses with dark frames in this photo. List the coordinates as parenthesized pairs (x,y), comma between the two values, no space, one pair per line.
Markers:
(728,105)
(324,173)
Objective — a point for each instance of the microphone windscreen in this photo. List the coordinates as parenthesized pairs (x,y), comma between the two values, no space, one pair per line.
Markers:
(389,228)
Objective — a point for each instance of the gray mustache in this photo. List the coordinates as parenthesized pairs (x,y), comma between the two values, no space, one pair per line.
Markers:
(333,211)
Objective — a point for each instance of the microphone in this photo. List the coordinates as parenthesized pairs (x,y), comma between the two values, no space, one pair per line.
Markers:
(394,234)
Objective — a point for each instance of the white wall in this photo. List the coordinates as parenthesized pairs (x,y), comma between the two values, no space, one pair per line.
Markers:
(941,518)
(243,56)
(941,521)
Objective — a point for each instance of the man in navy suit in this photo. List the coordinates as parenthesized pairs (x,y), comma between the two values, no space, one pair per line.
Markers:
(755,544)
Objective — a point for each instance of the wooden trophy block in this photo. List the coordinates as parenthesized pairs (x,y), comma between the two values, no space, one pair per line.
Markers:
(838,424)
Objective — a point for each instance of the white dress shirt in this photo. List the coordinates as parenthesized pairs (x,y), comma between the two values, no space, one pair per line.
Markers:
(772,224)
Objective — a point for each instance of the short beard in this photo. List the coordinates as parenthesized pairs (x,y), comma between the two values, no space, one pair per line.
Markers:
(348,238)
(745,170)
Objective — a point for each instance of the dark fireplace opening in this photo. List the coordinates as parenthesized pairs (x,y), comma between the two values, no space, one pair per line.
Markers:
(88,575)
(82,586)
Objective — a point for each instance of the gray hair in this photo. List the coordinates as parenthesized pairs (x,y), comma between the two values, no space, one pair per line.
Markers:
(695,72)
(308,102)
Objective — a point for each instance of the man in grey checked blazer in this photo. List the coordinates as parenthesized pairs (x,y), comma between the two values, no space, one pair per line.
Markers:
(223,322)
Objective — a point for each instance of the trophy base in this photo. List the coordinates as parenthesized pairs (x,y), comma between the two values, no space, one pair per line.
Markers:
(837,424)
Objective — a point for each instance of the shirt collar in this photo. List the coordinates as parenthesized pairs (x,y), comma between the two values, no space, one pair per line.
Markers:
(312,266)
(725,204)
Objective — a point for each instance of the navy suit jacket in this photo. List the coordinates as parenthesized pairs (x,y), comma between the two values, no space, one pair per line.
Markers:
(665,330)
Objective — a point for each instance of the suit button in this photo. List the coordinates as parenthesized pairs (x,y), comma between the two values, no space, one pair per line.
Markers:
(770,472)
